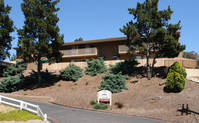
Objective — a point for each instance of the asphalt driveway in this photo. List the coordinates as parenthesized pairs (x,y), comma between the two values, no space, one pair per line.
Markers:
(63,114)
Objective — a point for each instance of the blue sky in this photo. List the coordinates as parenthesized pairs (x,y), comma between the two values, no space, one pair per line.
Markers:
(98,19)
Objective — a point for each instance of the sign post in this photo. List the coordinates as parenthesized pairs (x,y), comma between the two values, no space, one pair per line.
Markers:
(104,96)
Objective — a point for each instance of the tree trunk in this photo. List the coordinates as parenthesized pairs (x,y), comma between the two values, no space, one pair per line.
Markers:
(148,65)
(38,72)
(152,66)
(149,73)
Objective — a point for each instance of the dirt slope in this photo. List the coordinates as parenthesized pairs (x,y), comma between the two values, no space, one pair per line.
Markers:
(143,98)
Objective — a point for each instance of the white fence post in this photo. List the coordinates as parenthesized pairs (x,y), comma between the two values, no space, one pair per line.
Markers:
(45,117)
(21,104)
(24,105)
(38,110)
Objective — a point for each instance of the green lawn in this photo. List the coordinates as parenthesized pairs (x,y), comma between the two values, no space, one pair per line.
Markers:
(18,115)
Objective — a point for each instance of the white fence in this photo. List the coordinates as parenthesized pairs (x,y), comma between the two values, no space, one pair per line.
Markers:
(23,105)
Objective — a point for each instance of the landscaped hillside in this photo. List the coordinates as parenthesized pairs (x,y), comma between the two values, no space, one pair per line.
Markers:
(143,97)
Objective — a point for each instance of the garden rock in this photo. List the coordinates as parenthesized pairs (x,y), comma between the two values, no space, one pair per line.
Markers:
(156,98)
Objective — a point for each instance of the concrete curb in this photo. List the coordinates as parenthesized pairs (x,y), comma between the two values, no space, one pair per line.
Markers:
(193,79)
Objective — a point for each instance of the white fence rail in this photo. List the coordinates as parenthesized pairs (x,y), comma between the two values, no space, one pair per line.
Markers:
(23,106)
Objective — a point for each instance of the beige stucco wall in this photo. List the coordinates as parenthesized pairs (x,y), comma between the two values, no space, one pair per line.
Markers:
(188,63)
(31,66)
(192,72)
(60,66)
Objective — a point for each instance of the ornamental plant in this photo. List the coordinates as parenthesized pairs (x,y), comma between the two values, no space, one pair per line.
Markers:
(96,66)
(92,102)
(127,67)
(113,82)
(13,83)
(2,67)
(175,81)
(12,70)
(71,73)
(100,106)
(177,67)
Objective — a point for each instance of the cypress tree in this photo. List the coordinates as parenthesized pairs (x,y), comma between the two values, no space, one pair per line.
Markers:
(6,27)
(40,35)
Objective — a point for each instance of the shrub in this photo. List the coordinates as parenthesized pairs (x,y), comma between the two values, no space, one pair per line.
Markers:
(96,66)
(127,67)
(177,67)
(119,104)
(47,78)
(12,83)
(100,106)
(71,73)
(92,102)
(2,67)
(175,82)
(12,70)
(113,82)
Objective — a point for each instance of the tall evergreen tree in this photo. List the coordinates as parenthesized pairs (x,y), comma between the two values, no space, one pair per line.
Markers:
(150,33)
(13,57)
(40,36)
(78,39)
(6,27)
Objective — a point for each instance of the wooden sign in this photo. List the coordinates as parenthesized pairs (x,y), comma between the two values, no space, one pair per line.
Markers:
(104,96)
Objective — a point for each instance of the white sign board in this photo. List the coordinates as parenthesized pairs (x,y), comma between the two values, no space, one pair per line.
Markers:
(104,96)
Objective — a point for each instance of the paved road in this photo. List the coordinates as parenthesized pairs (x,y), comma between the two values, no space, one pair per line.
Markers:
(63,114)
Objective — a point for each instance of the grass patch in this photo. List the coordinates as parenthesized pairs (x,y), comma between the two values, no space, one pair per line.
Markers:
(18,115)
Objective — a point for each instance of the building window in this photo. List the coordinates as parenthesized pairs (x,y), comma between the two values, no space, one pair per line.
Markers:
(138,57)
(76,60)
(83,60)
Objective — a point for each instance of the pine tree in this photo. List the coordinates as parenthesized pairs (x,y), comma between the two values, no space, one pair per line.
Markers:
(6,27)
(150,33)
(78,39)
(13,57)
(40,36)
